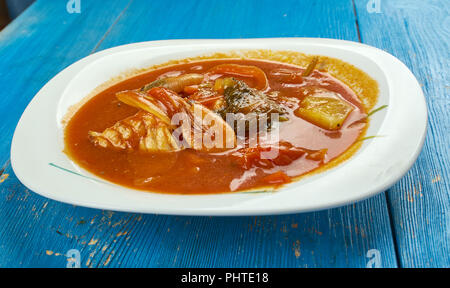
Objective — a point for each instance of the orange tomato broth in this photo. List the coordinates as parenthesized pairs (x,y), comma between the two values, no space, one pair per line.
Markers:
(194,172)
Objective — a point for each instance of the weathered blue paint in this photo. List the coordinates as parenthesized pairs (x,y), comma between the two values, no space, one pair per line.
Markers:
(37,232)
(417,33)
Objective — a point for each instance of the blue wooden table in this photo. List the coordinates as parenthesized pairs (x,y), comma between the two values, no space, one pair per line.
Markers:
(407,226)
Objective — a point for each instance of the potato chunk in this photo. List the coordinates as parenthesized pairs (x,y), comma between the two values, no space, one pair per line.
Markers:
(324,109)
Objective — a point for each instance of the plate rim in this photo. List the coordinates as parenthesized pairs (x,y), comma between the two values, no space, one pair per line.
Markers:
(215,211)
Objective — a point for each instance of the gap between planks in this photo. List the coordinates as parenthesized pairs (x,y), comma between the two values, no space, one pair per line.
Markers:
(388,203)
(8,162)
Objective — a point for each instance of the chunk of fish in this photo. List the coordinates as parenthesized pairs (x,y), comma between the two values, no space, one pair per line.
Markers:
(207,131)
(142,131)
(200,128)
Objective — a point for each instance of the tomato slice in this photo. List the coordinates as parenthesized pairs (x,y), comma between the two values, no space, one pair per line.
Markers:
(245,71)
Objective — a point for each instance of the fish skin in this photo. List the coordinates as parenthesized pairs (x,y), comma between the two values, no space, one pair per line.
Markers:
(142,131)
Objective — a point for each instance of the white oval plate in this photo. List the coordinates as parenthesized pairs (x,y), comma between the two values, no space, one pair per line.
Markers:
(38,140)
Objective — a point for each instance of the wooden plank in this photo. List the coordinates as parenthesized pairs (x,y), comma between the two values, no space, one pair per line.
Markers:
(39,231)
(316,232)
(37,45)
(417,33)
(44,40)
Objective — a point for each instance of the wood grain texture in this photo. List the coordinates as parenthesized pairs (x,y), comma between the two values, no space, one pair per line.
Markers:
(417,32)
(39,232)
(44,40)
